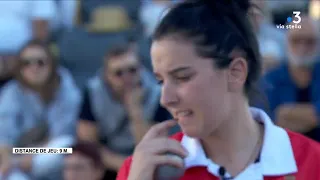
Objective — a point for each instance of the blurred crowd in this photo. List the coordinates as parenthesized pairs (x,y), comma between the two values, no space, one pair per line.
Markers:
(77,73)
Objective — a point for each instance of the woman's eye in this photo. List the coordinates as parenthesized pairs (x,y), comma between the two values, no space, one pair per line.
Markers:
(160,82)
(183,79)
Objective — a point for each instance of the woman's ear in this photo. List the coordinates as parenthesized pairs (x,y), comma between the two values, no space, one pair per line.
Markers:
(237,74)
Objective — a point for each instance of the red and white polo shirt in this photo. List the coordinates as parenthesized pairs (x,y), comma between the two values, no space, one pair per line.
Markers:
(285,155)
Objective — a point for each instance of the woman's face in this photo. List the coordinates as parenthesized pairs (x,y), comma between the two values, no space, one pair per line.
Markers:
(193,90)
(123,72)
(35,65)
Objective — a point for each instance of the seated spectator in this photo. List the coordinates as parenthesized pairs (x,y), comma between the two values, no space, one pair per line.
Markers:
(85,9)
(151,13)
(294,92)
(41,96)
(120,104)
(314,6)
(108,25)
(64,19)
(22,20)
(271,40)
(85,163)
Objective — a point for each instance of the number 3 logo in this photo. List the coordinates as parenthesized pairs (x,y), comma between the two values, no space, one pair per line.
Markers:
(297,15)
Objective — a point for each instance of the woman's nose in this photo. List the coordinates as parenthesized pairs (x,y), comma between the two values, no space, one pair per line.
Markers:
(168,96)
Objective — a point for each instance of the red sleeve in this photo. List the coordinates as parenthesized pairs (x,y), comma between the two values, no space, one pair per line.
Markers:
(123,173)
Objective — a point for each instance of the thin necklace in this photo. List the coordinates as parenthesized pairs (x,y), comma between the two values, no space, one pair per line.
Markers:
(254,152)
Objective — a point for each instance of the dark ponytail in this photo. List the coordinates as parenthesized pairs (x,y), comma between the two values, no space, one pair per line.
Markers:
(216,28)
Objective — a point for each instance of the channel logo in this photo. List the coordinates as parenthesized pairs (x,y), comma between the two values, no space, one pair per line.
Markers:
(292,22)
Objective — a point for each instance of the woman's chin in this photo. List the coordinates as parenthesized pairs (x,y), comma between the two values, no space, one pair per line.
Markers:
(191,132)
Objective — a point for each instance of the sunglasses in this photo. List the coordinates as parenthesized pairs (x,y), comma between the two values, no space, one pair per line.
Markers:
(35,61)
(130,70)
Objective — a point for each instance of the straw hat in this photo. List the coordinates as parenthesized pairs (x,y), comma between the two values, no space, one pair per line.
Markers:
(109,19)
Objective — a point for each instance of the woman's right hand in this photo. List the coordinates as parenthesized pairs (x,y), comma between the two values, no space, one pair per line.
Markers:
(152,151)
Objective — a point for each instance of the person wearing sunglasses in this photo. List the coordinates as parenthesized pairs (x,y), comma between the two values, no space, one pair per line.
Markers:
(120,103)
(294,92)
(41,93)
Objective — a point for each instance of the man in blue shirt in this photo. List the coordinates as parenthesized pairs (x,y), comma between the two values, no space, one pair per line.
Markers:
(294,88)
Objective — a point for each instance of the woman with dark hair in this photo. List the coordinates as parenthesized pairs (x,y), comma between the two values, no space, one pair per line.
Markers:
(206,56)
(85,162)
(38,108)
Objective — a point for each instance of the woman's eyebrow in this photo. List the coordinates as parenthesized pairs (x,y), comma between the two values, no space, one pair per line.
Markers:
(179,69)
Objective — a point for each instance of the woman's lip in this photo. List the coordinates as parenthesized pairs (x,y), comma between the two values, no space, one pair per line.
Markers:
(184,118)
(182,113)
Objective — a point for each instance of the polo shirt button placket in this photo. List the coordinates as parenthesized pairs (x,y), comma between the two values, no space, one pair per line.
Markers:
(253,172)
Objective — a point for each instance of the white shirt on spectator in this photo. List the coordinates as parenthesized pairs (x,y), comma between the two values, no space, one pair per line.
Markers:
(66,11)
(16,21)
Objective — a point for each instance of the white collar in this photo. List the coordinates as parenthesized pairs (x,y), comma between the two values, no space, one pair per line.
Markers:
(276,158)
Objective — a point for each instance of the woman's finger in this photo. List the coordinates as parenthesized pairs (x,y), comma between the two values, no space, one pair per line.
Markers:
(165,145)
(173,160)
(158,129)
